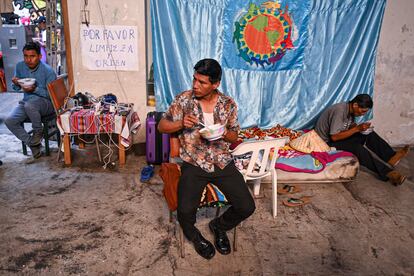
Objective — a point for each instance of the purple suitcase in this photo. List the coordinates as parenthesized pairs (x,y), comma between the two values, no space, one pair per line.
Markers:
(157,144)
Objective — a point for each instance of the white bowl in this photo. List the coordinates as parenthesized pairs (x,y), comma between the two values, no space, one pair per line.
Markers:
(368,130)
(212,132)
(26,82)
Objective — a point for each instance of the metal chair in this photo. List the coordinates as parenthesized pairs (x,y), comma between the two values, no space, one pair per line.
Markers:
(263,155)
(49,129)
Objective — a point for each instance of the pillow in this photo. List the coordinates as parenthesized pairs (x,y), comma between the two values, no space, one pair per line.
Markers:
(309,142)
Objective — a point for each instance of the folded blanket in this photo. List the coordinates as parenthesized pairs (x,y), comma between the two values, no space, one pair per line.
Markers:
(308,163)
(289,159)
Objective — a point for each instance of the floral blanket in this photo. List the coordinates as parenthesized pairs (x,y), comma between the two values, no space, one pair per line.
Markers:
(289,159)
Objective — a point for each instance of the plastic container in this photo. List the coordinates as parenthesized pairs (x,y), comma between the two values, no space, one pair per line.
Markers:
(212,132)
(151,100)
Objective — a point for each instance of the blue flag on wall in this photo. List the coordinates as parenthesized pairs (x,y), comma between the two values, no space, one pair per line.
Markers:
(283,61)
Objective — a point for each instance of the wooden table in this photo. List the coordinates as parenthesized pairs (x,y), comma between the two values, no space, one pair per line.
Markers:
(85,121)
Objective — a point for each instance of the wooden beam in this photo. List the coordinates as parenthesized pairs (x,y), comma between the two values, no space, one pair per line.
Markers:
(66,149)
(68,49)
(122,158)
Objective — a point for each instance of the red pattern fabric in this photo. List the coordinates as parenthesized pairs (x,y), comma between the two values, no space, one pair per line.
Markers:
(85,121)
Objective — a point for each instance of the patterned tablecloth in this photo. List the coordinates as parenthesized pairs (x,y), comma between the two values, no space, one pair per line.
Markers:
(85,121)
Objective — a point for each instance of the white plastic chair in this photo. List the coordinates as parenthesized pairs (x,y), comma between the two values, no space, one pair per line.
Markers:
(260,152)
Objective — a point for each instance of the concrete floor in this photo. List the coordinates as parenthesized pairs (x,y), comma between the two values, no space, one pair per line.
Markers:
(85,219)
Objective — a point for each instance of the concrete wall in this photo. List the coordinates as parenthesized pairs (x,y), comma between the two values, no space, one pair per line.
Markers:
(128,86)
(394,81)
(394,97)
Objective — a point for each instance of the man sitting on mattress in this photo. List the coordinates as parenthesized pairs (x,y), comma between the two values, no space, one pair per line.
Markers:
(337,127)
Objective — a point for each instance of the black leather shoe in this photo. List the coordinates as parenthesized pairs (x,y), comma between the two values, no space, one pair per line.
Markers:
(221,241)
(203,247)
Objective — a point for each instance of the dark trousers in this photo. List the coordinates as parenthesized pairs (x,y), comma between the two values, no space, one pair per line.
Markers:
(376,144)
(229,180)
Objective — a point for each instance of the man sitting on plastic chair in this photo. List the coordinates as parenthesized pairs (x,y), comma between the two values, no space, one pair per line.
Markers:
(206,159)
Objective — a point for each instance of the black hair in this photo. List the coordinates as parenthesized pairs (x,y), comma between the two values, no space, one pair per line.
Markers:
(209,67)
(363,101)
(32,46)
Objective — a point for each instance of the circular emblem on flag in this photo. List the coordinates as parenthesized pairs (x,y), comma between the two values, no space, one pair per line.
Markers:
(263,34)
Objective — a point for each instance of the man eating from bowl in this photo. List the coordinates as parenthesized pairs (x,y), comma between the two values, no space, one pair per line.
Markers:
(36,102)
(207,161)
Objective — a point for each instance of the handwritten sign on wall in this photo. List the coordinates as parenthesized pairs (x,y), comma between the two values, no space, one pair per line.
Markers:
(109,47)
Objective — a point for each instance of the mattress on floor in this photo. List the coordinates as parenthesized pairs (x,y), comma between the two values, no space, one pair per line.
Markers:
(344,169)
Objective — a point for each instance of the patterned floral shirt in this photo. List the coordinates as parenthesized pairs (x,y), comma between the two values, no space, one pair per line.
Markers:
(193,148)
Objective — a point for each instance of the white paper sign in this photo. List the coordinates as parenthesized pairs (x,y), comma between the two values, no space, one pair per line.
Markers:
(109,47)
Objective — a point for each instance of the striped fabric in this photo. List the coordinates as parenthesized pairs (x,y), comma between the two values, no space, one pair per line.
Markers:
(212,197)
(85,121)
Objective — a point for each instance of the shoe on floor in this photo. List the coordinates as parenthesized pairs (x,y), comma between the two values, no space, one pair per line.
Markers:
(36,138)
(295,202)
(36,151)
(288,189)
(146,173)
(221,241)
(396,178)
(398,156)
(203,247)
